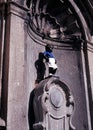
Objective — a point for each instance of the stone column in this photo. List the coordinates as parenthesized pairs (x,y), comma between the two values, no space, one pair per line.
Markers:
(87,61)
(2,31)
(14,104)
(90,59)
(90,75)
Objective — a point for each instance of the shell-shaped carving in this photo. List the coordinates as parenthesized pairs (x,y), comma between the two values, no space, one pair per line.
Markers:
(54,20)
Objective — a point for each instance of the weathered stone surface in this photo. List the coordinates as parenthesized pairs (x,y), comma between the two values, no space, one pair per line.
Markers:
(52,105)
(15,70)
(19,73)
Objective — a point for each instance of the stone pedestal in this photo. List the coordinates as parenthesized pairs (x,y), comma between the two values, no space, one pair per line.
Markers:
(53,105)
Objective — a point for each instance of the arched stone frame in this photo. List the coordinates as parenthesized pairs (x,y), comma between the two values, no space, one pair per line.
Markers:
(83,25)
(86,38)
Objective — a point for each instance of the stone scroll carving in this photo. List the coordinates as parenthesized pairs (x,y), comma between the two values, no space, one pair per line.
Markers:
(53,106)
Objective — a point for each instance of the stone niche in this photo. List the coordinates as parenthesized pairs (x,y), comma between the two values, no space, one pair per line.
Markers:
(43,28)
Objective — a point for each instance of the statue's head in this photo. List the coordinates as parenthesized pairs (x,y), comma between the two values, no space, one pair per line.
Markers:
(49,48)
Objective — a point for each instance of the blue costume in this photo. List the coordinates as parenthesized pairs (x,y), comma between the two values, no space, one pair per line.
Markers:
(50,59)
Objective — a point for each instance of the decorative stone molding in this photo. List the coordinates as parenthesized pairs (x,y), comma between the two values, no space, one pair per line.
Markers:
(16,9)
(53,105)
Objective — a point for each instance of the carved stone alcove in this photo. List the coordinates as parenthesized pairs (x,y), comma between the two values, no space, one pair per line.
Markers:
(54,21)
(24,31)
(61,24)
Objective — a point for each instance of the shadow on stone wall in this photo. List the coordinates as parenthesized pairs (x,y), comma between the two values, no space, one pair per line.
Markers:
(40,67)
(31,117)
